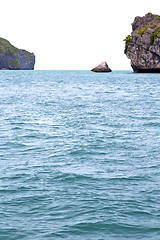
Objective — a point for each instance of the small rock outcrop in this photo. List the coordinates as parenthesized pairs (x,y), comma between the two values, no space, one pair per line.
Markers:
(102,67)
(142,47)
(12,58)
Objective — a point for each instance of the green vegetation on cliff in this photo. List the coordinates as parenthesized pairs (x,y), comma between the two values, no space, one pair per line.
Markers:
(141,31)
(142,47)
(127,41)
(7,48)
(14,64)
(153,24)
(154,36)
(14,58)
(30,56)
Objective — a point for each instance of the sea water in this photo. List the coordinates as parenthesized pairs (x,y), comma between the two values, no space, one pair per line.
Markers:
(79,155)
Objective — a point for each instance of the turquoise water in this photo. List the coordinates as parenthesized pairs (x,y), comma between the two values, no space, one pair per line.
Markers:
(79,155)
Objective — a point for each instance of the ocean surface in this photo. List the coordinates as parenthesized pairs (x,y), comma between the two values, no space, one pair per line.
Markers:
(79,155)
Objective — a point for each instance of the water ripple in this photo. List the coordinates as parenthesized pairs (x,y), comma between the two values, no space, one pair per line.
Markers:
(79,155)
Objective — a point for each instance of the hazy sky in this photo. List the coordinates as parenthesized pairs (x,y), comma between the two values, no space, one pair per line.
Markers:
(72,34)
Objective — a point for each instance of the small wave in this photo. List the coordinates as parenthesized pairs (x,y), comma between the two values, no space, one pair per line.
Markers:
(72,176)
(9,145)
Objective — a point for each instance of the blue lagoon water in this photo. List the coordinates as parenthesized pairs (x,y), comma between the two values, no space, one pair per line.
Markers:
(79,155)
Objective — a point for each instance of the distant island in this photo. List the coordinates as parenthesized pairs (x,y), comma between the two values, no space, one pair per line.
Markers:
(12,58)
(142,47)
(102,67)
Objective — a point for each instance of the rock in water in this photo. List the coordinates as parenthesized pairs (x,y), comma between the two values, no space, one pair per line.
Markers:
(102,67)
(13,58)
(142,47)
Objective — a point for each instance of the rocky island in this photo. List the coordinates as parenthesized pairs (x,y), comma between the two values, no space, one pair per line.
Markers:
(102,67)
(142,47)
(12,58)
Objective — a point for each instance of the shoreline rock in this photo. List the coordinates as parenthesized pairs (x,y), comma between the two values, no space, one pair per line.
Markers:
(142,47)
(102,67)
(12,58)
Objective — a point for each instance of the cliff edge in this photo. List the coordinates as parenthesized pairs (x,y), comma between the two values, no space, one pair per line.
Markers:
(12,58)
(142,47)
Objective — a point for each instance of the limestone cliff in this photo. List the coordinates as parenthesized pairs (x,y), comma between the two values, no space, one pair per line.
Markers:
(142,47)
(13,58)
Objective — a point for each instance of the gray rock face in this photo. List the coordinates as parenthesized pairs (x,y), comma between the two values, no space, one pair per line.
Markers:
(142,47)
(12,58)
(102,67)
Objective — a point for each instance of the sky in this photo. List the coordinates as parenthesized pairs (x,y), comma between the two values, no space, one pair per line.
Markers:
(73,34)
